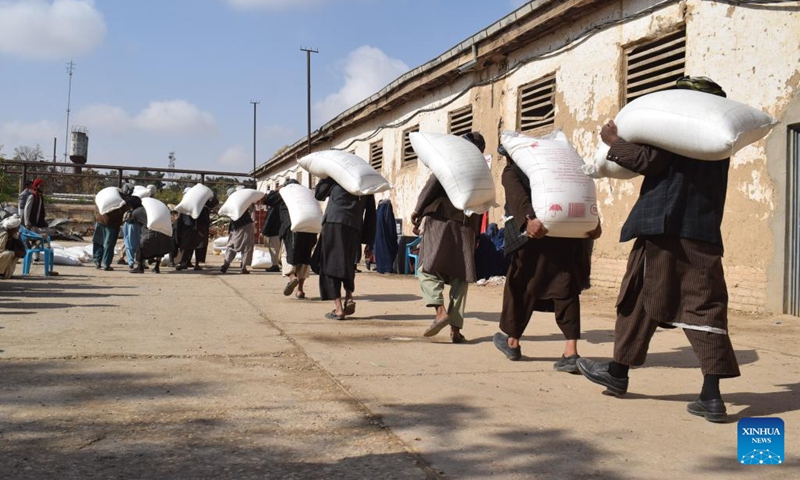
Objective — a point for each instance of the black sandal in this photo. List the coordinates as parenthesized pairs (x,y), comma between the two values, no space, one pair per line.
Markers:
(332,316)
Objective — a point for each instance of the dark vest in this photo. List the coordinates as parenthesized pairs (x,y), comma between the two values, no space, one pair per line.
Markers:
(687,200)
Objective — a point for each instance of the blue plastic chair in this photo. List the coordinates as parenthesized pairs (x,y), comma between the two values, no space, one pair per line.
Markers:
(414,256)
(35,243)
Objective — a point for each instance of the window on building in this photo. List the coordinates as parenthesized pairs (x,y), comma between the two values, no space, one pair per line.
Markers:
(459,121)
(655,65)
(537,105)
(409,155)
(376,155)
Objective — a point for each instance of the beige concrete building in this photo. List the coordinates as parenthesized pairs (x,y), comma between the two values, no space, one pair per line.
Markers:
(571,65)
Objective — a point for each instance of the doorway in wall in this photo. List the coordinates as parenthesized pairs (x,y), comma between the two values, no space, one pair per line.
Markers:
(792,294)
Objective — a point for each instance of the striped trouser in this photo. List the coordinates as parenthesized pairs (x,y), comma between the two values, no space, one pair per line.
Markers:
(672,262)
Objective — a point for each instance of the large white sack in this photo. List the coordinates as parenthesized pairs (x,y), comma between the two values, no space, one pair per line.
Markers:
(194,200)
(141,191)
(220,243)
(239,201)
(158,218)
(601,167)
(79,253)
(304,209)
(261,259)
(460,167)
(348,170)
(108,199)
(693,124)
(61,258)
(563,198)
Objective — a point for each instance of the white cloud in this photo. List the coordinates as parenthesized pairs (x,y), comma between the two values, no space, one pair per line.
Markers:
(169,117)
(45,30)
(273,4)
(236,156)
(108,117)
(14,134)
(366,70)
(174,116)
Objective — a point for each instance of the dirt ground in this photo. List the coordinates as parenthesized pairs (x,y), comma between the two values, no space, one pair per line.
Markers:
(201,375)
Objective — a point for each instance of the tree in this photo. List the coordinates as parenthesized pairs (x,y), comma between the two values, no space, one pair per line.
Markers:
(28,154)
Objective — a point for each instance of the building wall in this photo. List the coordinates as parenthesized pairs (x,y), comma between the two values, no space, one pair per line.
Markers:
(753,53)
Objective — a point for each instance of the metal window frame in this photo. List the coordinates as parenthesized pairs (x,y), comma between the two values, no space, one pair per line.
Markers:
(791,302)
(661,68)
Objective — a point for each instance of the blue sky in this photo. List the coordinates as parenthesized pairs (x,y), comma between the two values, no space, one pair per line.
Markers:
(154,76)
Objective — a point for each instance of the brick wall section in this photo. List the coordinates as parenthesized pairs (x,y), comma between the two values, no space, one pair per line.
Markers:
(747,287)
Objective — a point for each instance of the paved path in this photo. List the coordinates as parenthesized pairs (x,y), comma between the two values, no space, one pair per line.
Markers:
(201,375)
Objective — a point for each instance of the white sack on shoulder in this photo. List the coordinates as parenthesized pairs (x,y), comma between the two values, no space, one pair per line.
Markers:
(460,167)
(108,200)
(304,209)
(158,218)
(238,202)
(563,198)
(194,200)
(141,191)
(693,124)
(348,170)
(601,167)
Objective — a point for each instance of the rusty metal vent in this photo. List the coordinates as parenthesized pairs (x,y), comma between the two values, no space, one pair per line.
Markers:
(459,121)
(409,155)
(655,65)
(376,155)
(537,106)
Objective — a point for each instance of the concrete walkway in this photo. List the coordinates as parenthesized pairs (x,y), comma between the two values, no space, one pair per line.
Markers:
(201,375)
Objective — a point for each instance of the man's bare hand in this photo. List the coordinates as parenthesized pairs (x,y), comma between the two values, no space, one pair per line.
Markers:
(595,234)
(609,133)
(535,228)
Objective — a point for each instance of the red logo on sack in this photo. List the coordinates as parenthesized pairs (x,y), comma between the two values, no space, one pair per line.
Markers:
(577,210)
(554,209)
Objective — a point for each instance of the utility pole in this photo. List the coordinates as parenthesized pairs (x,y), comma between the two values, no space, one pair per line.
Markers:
(255,105)
(70,68)
(308,51)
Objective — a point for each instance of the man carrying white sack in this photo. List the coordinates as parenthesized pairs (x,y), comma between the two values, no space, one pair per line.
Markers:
(241,238)
(674,276)
(546,274)
(447,252)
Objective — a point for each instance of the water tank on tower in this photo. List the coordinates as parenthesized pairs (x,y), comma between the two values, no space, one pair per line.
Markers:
(80,145)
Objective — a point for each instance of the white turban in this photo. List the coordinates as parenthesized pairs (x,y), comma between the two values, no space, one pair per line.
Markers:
(152,190)
(11,222)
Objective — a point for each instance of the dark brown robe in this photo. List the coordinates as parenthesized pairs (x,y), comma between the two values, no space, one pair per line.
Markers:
(546,274)
(448,239)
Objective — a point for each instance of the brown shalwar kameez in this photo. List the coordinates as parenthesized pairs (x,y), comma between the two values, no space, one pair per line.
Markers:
(546,274)
(674,272)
